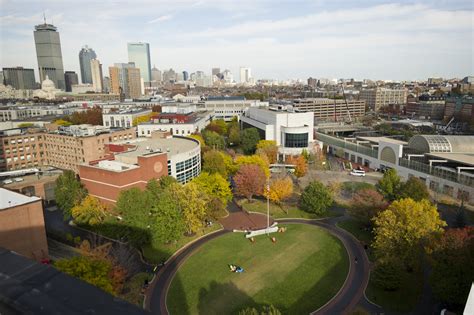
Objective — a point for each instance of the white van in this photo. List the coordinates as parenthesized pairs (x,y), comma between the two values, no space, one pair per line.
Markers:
(357,173)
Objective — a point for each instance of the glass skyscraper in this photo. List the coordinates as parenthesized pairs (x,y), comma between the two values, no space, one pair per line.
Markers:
(139,53)
(48,52)
(85,56)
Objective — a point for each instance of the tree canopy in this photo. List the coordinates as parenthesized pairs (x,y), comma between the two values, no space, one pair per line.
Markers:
(268,148)
(366,204)
(169,225)
(213,162)
(192,204)
(300,163)
(249,139)
(415,189)
(389,185)
(249,181)
(213,139)
(90,211)
(215,186)
(316,198)
(255,159)
(68,192)
(280,189)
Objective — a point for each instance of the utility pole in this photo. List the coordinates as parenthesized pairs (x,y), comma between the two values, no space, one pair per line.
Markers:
(268,204)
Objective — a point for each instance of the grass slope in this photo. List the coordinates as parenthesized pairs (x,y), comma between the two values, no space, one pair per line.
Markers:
(298,274)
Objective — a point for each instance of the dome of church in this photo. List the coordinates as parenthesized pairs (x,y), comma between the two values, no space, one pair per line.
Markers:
(47,85)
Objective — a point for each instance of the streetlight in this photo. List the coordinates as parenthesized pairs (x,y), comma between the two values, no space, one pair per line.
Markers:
(268,204)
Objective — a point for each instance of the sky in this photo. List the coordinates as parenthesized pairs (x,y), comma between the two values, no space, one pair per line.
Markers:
(386,40)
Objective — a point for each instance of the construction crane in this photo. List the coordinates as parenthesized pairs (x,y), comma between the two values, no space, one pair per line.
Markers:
(347,106)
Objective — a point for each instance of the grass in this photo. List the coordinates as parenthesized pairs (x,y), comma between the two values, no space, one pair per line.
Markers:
(402,300)
(157,252)
(279,212)
(299,273)
(353,187)
(358,229)
(133,288)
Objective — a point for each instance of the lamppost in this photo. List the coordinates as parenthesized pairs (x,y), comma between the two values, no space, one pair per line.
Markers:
(268,205)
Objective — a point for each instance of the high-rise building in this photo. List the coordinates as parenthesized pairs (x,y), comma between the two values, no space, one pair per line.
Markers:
(381,97)
(2,78)
(216,71)
(106,85)
(48,53)
(71,79)
(169,76)
(245,74)
(185,76)
(19,78)
(96,72)
(227,76)
(125,80)
(139,53)
(156,75)
(85,56)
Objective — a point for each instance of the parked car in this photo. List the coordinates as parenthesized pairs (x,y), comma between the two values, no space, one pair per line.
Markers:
(357,173)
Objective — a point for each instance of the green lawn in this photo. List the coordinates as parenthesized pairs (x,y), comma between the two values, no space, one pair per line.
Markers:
(358,229)
(157,252)
(298,274)
(401,300)
(279,212)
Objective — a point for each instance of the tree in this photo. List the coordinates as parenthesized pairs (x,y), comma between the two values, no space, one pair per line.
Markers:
(316,198)
(415,189)
(403,228)
(62,122)
(260,160)
(270,310)
(216,209)
(280,189)
(213,162)
(452,265)
(390,184)
(219,126)
(215,186)
(268,148)
(169,224)
(366,204)
(300,163)
(249,311)
(249,181)
(234,135)
(92,271)
(157,187)
(387,275)
(213,139)
(90,211)
(91,116)
(249,138)
(142,119)
(198,138)
(192,204)
(68,192)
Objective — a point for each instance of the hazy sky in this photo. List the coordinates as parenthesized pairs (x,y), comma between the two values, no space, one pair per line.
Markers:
(278,39)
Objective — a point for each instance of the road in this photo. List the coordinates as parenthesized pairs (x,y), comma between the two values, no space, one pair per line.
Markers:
(350,295)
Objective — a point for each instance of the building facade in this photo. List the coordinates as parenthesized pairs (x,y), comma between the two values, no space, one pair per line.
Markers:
(125,80)
(381,97)
(85,56)
(71,79)
(326,109)
(126,118)
(183,124)
(427,107)
(139,54)
(22,225)
(227,108)
(245,74)
(48,53)
(19,78)
(97,76)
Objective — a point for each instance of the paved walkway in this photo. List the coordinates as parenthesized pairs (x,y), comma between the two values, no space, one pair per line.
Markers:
(242,220)
(350,295)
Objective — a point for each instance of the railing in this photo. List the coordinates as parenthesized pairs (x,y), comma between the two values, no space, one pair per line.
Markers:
(442,173)
(346,145)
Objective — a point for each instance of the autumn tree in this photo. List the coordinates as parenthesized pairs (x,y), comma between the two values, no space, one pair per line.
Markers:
(268,148)
(215,186)
(68,192)
(260,160)
(249,181)
(168,220)
(389,185)
(199,138)
(213,162)
(366,204)
(249,139)
(316,198)
(62,122)
(280,189)
(213,139)
(219,126)
(403,229)
(452,265)
(300,163)
(415,189)
(91,116)
(90,211)
(234,135)
(192,204)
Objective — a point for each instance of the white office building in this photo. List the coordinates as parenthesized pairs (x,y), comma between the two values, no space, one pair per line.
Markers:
(123,118)
(245,75)
(227,108)
(292,131)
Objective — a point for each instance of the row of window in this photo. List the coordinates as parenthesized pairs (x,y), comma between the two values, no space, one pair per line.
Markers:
(184,165)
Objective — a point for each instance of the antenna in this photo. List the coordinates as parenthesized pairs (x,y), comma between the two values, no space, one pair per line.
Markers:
(44,17)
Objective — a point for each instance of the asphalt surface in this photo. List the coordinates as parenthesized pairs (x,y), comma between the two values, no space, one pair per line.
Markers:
(349,296)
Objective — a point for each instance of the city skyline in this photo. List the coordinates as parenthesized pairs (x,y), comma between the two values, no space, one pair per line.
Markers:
(368,39)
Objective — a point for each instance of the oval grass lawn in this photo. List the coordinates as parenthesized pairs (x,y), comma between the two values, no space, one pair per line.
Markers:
(298,274)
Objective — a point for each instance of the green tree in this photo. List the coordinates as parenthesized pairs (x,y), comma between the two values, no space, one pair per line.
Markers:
(90,211)
(403,229)
(316,198)
(213,139)
(169,224)
(387,275)
(215,186)
(68,192)
(213,162)
(249,139)
(199,138)
(234,135)
(390,184)
(92,271)
(156,187)
(192,204)
(249,311)
(452,265)
(415,189)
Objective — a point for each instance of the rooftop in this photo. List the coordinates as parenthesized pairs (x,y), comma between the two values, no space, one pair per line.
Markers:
(10,199)
(462,158)
(384,139)
(130,111)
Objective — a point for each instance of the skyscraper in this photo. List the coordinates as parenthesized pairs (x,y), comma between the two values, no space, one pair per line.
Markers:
(139,53)
(185,75)
(48,53)
(245,74)
(85,56)
(71,79)
(125,80)
(20,78)
(96,72)
(216,71)
(156,75)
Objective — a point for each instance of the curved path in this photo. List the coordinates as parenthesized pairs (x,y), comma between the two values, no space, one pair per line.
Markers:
(351,294)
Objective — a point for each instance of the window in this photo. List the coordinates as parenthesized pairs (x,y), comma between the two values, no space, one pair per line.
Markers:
(296,140)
